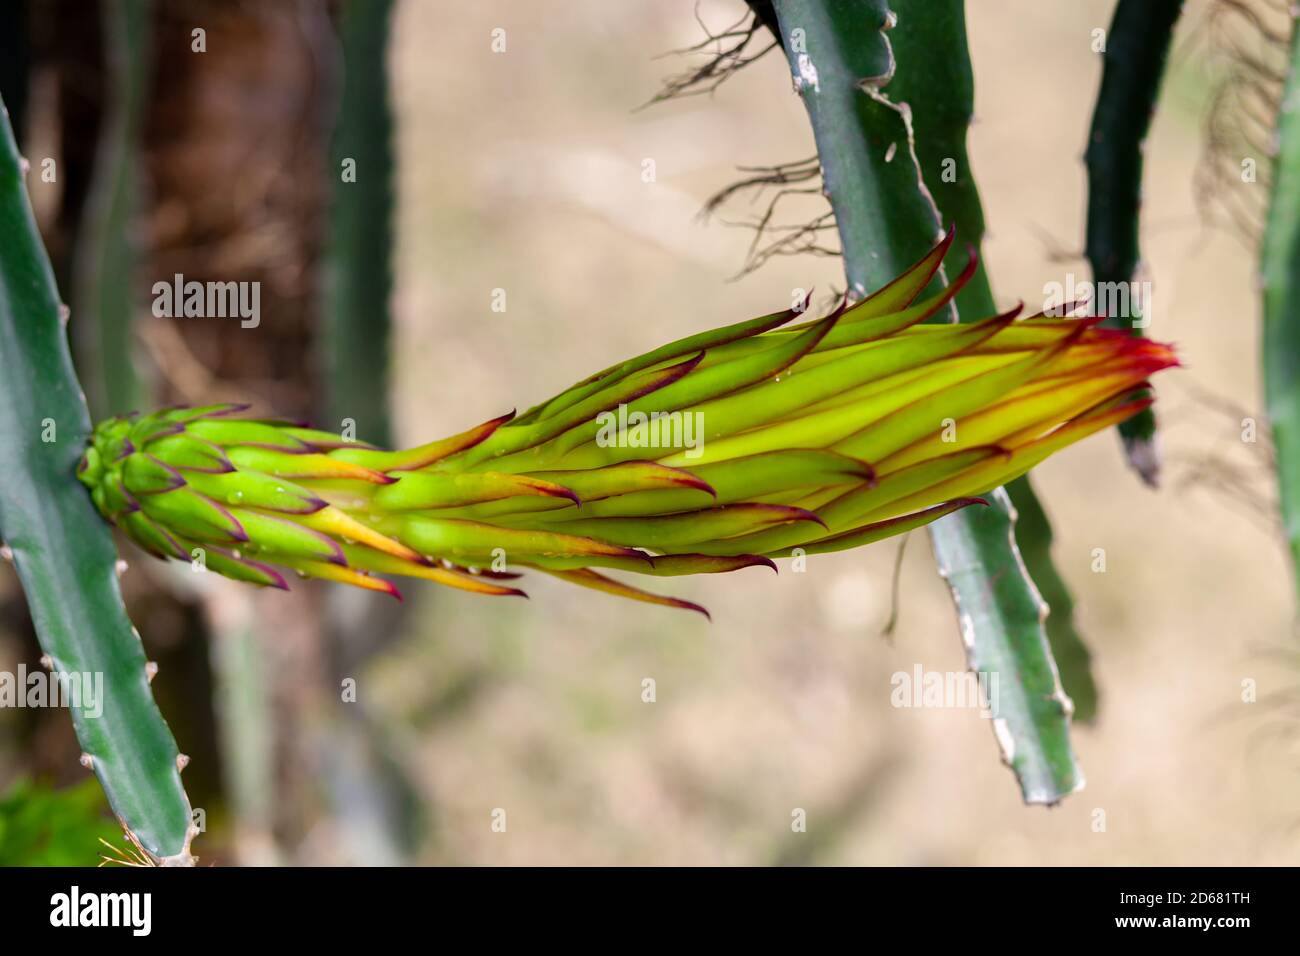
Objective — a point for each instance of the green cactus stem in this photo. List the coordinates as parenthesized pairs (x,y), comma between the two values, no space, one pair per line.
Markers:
(64,554)
(1137,48)
(1280,266)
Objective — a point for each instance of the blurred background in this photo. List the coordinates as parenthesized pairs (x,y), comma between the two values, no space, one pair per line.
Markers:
(542,226)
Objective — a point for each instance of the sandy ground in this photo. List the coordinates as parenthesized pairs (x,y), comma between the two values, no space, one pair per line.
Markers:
(522,171)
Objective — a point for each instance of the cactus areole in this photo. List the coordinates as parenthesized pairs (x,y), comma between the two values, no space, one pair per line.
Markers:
(713,453)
